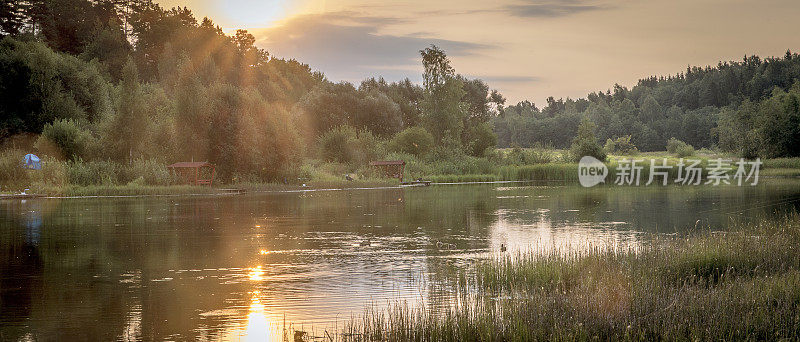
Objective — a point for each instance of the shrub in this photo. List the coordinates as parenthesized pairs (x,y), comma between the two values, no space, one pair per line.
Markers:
(147,171)
(623,145)
(609,147)
(585,143)
(66,136)
(536,155)
(12,175)
(335,145)
(367,147)
(415,141)
(481,137)
(679,148)
(93,173)
(685,151)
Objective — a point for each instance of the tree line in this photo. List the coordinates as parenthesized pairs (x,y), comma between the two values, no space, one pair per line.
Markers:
(126,80)
(711,107)
(119,81)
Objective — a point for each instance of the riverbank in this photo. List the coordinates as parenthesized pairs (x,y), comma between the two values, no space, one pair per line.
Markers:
(740,284)
(67,183)
(180,190)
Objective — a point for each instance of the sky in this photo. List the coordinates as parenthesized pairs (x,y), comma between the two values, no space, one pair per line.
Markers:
(526,49)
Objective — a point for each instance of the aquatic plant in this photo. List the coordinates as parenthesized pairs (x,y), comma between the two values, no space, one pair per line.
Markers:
(741,284)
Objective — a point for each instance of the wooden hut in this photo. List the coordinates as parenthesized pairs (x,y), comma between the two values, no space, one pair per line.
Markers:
(194,173)
(390,168)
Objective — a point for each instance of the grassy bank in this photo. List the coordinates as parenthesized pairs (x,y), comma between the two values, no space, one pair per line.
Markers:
(164,190)
(151,177)
(743,284)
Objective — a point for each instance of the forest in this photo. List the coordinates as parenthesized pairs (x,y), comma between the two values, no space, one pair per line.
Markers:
(748,107)
(110,91)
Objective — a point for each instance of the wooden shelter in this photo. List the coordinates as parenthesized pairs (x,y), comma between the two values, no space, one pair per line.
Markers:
(194,173)
(390,168)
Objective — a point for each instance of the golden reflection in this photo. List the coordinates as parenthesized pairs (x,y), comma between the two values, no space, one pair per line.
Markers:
(256,273)
(262,252)
(259,325)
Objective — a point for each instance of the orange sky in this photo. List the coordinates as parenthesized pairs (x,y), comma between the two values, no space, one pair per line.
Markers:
(527,49)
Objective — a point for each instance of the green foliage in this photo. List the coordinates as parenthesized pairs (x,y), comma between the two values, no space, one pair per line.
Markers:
(110,48)
(687,105)
(335,145)
(539,172)
(12,175)
(444,112)
(536,155)
(332,105)
(585,143)
(415,140)
(93,173)
(148,172)
(706,286)
(67,136)
(109,173)
(679,148)
(609,146)
(252,114)
(621,145)
(480,138)
(769,129)
(40,86)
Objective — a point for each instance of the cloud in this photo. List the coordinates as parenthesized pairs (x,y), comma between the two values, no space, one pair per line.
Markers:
(551,9)
(509,79)
(349,46)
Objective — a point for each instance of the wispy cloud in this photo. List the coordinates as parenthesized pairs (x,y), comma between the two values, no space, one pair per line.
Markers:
(349,46)
(509,79)
(551,9)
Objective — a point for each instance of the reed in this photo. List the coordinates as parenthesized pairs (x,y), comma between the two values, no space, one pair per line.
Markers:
(743,284)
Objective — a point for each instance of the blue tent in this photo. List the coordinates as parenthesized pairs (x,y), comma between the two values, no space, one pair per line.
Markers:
(32,162)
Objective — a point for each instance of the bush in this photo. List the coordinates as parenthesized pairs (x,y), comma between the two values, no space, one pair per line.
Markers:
(623,145)
(609,147)
(335,145)
(147,172)
(585,143)
(66,136)
(12,175)
(481,137)
(685,151)
(679,148)
(415,141)
(93,173)
(536,155)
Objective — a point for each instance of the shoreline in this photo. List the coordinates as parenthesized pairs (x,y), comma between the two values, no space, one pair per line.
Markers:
(266,188)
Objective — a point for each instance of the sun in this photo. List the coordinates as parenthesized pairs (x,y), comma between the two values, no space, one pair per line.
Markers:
(255,13)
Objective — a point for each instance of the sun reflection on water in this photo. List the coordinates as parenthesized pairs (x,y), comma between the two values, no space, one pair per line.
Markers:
(260,324)
(256,273)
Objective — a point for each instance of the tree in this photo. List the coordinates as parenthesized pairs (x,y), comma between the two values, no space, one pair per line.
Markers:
(442,106)
(40,86)
(129,123)
(413,140)
(481,137)
(651,110)
(338,144)
(109,47)
(585,143)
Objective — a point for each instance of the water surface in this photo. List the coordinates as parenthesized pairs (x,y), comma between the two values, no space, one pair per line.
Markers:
(239,267)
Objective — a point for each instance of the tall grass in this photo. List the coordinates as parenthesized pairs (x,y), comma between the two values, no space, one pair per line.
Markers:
(743,284)
(782,163)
